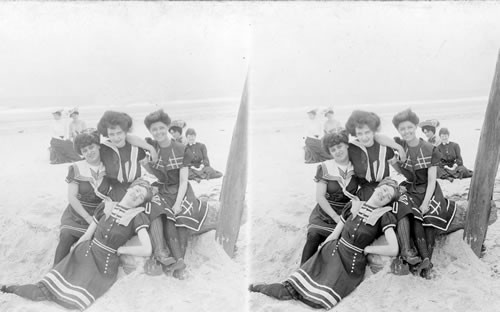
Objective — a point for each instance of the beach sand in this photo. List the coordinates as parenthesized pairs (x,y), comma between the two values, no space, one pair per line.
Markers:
(282,197)
(34,197)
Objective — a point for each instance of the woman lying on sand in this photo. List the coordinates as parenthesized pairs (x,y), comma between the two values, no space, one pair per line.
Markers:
(88,186)
(180,209)
(338,267)
(424,205)
(91,268)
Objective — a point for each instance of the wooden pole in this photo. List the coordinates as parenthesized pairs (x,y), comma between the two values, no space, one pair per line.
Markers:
(485,170)
(232,198)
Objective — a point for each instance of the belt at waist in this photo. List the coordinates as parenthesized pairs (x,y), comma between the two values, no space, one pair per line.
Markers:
(351,246)
(96,242)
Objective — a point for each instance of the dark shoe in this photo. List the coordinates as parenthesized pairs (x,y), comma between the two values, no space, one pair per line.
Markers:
(163,256)
(426,273)
(399,267)
(410,256)
(153,268)
(255,287)
(425,264)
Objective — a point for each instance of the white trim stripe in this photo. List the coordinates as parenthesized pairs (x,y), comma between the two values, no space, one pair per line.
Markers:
(388,226)
(72,228)
(64,289)
(314,226)
(141,227)
(101,245)
(313,290)
(350,246)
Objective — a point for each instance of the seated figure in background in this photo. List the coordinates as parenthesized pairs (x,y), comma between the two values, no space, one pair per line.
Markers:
(314,152)
(76,126)
(452,165)
(429,129)
(196,152)
(61,148)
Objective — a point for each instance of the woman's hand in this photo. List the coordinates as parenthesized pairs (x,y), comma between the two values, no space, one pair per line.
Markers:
(177,209)
(424,207)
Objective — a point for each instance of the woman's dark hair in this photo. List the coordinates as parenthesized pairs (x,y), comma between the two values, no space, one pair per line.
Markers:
(89,137)
(112,119)
(359,119)
(175,129)
(444,131)
(429,128)
(333,138)
(157,116)
(406,115)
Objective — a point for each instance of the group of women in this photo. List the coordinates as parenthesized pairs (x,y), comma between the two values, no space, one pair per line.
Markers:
(109,203)
(357,202)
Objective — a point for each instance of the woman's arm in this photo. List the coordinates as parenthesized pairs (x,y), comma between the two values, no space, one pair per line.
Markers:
(323,203)
(458,157)
(387,141)
(336,232)
(143,250)
(75,203)
(431,186)
(137,141)
(88,234)
(181,192)
(391,249)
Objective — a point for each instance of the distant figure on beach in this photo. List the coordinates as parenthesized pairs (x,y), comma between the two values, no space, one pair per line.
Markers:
(181,211)
(423,208)
(429,129)
(76,126)
(197,156)
(336,185)
(176,133)
(451,166)
(91,268)
(314,152)
(61,148)
(338,267)
(88,186)
(331,123)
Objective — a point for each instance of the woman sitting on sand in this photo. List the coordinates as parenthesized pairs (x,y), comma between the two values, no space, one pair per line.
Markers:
(121,155)
(424,205)
(336,185)
(452,165)
(87,188)
(182,211)
(91,268)
(331,124)
(338,267)
(429,129)
(76,126)
(314,152)
(61,148)
(199,164)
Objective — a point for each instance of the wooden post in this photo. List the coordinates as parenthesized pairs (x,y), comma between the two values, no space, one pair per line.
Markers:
(232,197)
(485,170)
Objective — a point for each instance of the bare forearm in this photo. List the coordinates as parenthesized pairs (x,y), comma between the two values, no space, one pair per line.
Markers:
(77,206)
(383,250)
(140,251)
(325,206)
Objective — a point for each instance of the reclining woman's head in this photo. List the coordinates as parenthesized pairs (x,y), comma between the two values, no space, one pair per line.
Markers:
(385,193)
(138,193)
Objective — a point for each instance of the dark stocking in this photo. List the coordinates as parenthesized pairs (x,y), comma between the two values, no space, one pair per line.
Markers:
(66,240)
(420,239)
(29,291)
(276,290)
(314,239)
